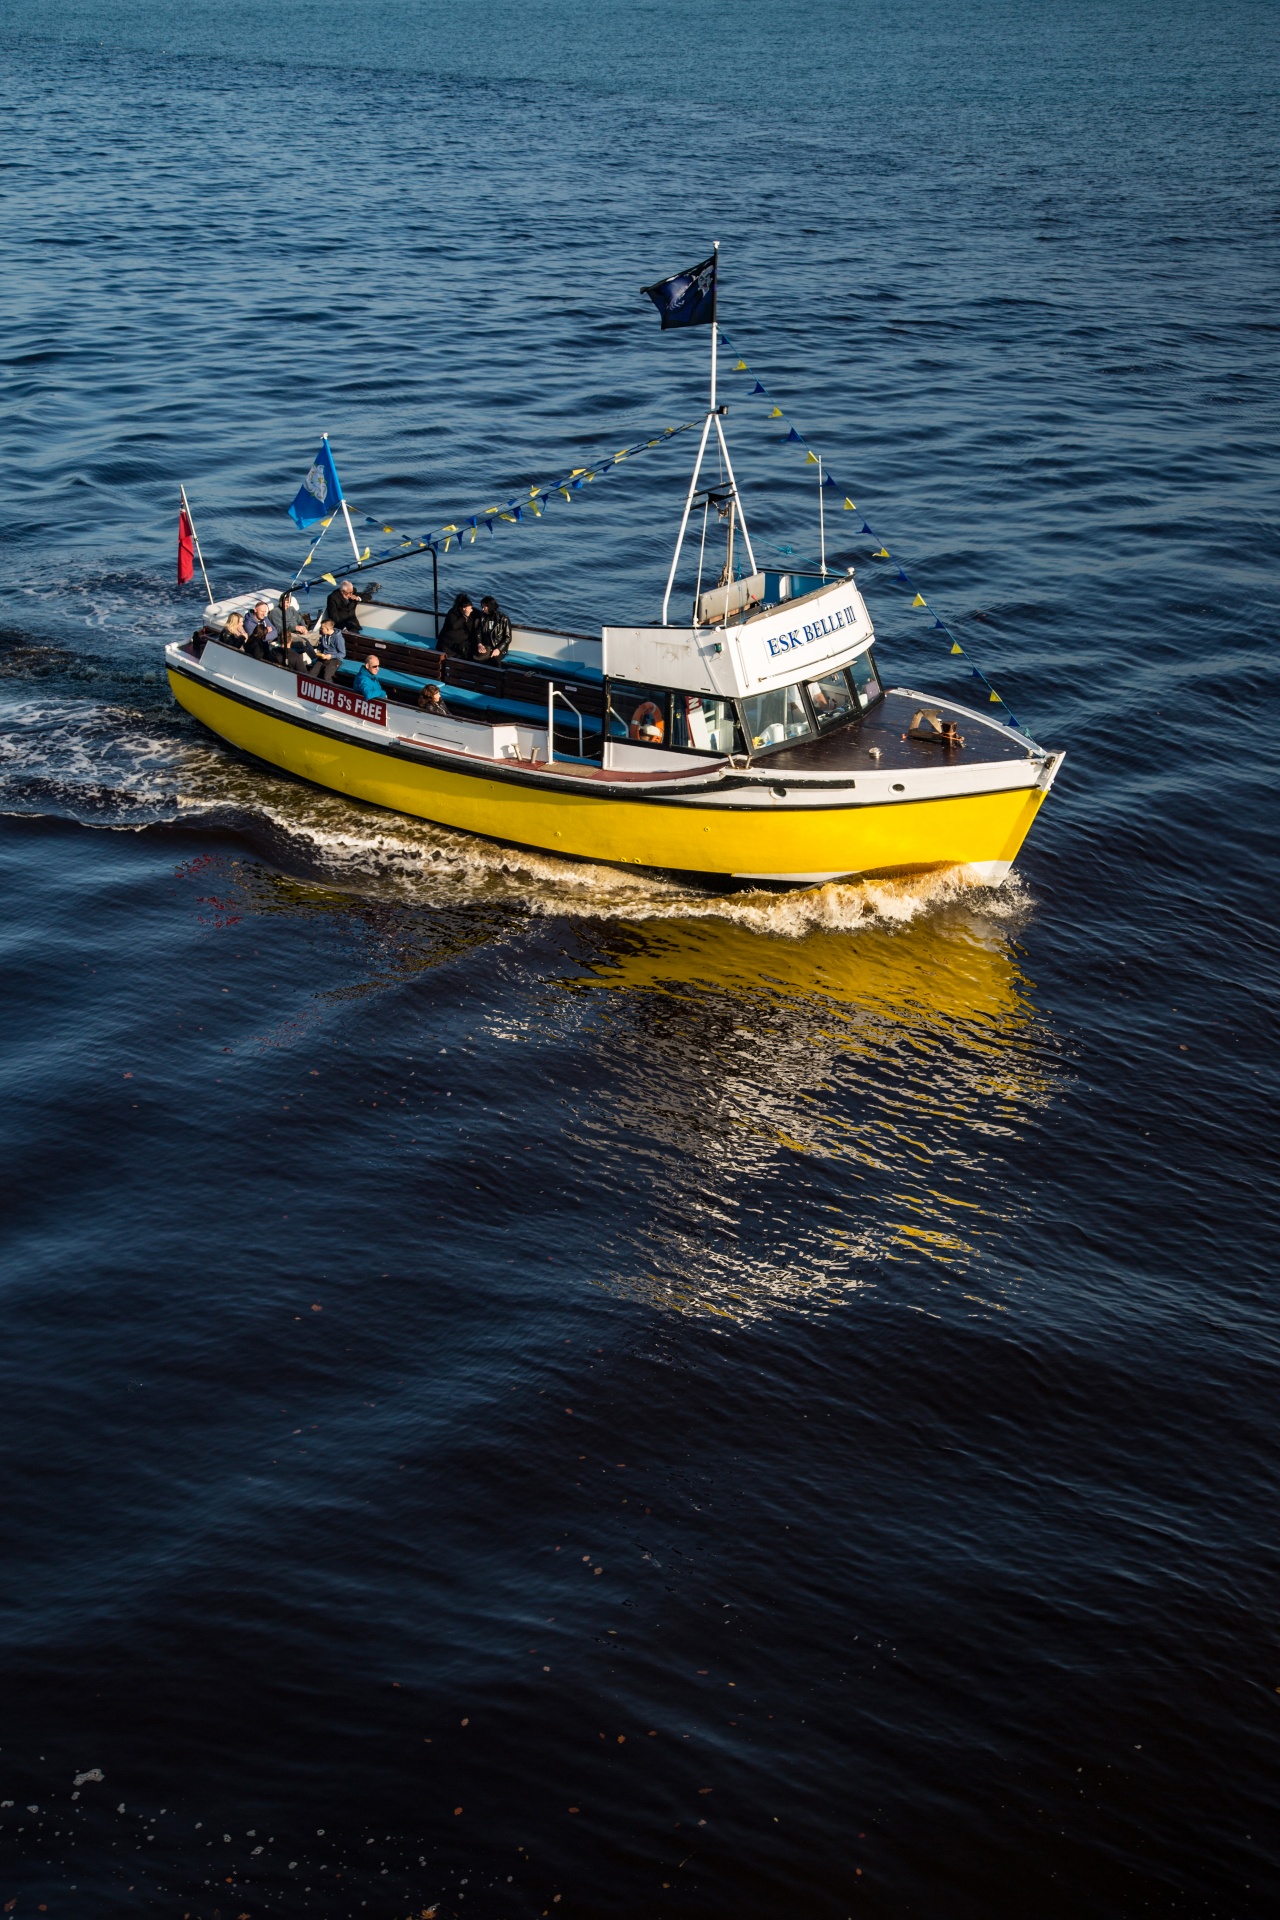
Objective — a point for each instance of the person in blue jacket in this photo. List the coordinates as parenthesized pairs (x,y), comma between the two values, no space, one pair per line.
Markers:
(367,683)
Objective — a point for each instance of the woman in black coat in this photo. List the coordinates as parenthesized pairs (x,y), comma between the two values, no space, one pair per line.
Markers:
(455,634)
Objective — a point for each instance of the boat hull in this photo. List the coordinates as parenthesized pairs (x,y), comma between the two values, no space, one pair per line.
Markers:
(705,835)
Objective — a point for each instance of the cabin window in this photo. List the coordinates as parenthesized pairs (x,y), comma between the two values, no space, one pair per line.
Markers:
(832,700)
(704,725)
(641,714)
(866,681)
(774,718)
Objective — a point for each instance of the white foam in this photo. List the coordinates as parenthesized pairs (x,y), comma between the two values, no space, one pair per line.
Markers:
(123,765)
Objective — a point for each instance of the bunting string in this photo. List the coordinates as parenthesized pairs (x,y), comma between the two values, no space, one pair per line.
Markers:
(901,581)
(467,528)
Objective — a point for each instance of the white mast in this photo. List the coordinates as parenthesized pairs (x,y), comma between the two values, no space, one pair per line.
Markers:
(822,522)
(346,516)
(713,413)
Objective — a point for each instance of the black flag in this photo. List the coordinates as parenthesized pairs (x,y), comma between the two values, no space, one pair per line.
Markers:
(687,299)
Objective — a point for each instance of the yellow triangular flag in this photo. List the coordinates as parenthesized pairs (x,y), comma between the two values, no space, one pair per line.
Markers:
(388,529)
(365,555)
(741,367)
(811,455)
(576,472)
(329,577)
(776,414)
(507,516)
(996,699)
(956,647)
(849,507)
(881,553)
(565,491)
(622,455)
(918,601)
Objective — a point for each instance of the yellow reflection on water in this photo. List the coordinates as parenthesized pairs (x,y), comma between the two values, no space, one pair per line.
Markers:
(810,1109)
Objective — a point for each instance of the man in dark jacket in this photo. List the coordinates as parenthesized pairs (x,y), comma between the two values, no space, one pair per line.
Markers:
(455,634)
(341,607)
(491,631)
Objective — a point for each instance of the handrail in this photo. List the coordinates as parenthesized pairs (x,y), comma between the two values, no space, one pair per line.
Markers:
(554,692)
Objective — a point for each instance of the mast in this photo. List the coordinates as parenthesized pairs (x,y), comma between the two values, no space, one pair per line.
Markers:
(714,411)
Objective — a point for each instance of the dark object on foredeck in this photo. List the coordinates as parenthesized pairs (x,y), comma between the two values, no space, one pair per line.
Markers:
(930,727)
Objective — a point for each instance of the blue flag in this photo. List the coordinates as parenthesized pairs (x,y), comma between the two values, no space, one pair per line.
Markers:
(687,299)
(320,493)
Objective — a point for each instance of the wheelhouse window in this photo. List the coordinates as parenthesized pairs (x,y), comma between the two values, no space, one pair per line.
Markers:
(640,714)
(772,719)
(866,681)
(832,699)
(704,725)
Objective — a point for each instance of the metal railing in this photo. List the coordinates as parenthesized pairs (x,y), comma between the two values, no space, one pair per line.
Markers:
(555,693)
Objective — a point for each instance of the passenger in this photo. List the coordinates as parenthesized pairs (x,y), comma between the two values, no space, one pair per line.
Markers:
(455,634)
(491,633)
(299,653)
(367,683)
(329,648)
(647,723)
(341,608)
(431,700)
(233,633)
(261,634)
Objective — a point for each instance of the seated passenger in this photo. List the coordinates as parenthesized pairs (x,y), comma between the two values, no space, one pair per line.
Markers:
(367,683)
(233,633)
(431,700)
(647,723)
(455,634)
(298,652)
(329,648)
(341,607)
(261,634)
(491,631)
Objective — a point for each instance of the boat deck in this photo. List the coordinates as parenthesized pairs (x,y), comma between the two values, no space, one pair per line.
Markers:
(848,748)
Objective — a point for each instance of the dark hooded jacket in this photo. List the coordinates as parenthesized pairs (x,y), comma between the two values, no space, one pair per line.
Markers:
(455,633)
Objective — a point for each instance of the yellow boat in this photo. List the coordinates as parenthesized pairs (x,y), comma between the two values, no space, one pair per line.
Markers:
(749,773)
(756,744)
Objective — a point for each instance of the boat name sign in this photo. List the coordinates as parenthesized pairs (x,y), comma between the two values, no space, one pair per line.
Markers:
(805,636)
(341,700)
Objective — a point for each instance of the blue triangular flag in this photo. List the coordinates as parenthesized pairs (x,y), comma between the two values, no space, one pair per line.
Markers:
(759,389)
(793,435)
(866,529)
(902,576)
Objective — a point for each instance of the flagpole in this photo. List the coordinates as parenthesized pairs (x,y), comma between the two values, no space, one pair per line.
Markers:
(342,501)
(822,522)
(195,541)
(715,316)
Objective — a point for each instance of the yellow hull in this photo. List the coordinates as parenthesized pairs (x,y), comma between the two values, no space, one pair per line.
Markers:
(985,830)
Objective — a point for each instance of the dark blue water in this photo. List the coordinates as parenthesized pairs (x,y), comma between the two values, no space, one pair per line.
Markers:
(529,1390)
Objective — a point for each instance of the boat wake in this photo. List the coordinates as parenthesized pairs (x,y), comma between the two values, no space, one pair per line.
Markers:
(114,753)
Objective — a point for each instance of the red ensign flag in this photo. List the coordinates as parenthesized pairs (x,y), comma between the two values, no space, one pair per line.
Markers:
(186,548)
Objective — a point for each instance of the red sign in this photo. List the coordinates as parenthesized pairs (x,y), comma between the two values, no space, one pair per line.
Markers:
(322,694)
